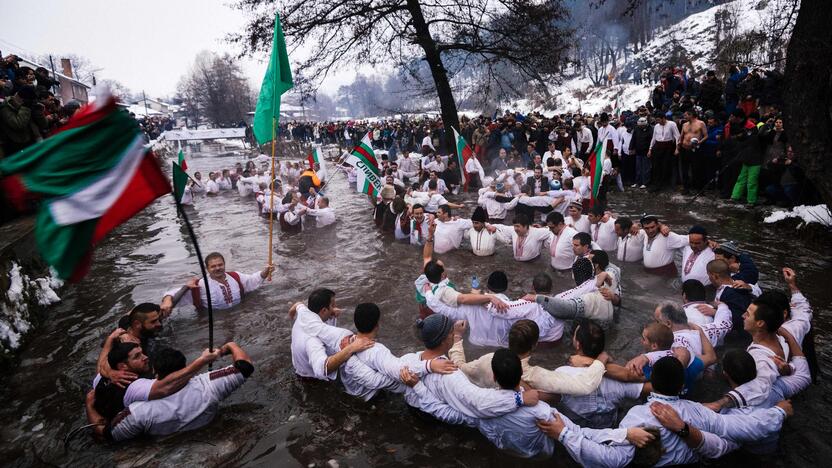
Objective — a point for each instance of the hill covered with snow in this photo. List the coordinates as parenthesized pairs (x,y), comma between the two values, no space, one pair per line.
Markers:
(691,43)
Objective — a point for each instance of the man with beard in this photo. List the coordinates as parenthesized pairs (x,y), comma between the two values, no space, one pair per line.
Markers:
(227,289)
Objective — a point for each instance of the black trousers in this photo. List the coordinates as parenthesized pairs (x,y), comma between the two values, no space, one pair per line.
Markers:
(663,163)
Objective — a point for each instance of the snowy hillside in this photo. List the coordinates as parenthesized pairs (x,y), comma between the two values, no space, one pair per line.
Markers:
(691,41)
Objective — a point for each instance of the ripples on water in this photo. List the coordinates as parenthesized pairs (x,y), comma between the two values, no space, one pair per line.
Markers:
(274,420)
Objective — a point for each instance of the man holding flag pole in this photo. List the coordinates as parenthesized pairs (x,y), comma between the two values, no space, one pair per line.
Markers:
(278,80)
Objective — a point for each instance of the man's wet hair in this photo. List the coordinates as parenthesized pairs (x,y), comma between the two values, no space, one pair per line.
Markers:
(591,337)
(119,353)
(583,238)
(141,311)
(673,313)
(214,255)
(768,313)
(523,336)
(739,365)
(694,290)
(668,376)
(659,334)
(600,258)
(366,317)
(167,361)
(433,271)
(554,217)
(506,368)
(625,223)
(777,299)
(521,219)
(542,283)
(319,299)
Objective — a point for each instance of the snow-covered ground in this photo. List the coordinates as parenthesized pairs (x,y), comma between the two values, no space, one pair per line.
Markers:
(695,35)
(809,214)
(15,319)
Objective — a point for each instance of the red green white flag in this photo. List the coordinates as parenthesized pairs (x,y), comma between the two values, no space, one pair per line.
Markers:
(316,158)
(464,153)
(88,178)
(596,170)
(363,159)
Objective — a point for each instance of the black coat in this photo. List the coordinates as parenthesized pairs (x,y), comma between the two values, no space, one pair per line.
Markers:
(544,184)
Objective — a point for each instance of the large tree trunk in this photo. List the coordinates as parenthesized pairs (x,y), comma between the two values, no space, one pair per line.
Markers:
(808,93)
(447,104)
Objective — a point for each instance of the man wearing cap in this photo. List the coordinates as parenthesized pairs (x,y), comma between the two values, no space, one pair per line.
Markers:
(482,240)
(452,398)
(577,220)
(662,147)
(741,264)
(639,146)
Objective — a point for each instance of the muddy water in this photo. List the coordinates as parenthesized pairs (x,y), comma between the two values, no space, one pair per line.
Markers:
(275,420)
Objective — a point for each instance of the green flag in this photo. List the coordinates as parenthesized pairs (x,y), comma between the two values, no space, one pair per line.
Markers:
(180,177)
(277,81)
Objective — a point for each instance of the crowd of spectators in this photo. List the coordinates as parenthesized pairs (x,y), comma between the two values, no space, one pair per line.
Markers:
(745,153)
(154,125)
(29,109)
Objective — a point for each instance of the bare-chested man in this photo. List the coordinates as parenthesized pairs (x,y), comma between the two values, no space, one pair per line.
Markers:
(693,134)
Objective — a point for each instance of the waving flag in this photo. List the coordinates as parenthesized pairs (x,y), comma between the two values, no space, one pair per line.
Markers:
(91,176)
(180,177)
(315,158)
(464,153)
(363,159)
(596,170)
(277,81)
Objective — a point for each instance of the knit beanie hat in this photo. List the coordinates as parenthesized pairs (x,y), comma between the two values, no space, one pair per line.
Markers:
(434,329)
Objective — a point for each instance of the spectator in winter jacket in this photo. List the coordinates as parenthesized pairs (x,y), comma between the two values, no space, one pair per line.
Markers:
(750,154)
(732,91)
(639,146)
(18,117)
(711,92)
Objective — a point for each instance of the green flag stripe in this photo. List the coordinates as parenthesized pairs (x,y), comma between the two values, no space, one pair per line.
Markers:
(71,160)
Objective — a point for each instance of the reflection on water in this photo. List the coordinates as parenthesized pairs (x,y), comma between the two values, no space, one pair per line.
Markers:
(274,420)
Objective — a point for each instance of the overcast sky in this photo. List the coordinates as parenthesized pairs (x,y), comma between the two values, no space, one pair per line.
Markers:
(146,45)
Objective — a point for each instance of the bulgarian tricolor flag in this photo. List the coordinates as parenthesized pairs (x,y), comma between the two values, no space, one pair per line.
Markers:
(596,170)
(363,159)
(464,153)
(91,176)
(315,158)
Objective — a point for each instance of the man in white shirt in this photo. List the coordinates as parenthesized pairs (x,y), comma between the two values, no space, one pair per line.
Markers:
(482,240)
(496,202)
(190,408)
(585,141)
(526,241)
(452,398)
(441,188)
(198,186)
(553,154)
(449,232)
(660,245)
(310,358)
(577,220)
(662,146)
(628,245)
(598,409)
(227,288)
(323,213)
(602,228)
(171,374)
(696,255)
(667,379)
(561,255)
(211,186)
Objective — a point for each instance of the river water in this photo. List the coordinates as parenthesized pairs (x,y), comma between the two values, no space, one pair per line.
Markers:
(275,420)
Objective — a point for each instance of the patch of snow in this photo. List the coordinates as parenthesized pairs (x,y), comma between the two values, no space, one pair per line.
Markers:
(809,214)
(14,310)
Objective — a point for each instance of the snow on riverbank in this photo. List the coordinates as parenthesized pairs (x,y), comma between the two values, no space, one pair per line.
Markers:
(15,315)
(809,214)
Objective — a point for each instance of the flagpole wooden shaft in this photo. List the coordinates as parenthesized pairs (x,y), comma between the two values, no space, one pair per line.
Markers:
(271,193)
(204,276)
(329,177)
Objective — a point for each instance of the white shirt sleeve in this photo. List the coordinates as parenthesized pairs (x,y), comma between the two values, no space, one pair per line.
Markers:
(138,390)
(316,353)
(438,408)
(251,281)
(223,382)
